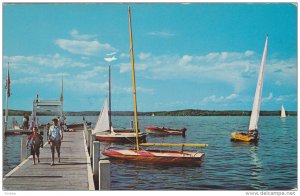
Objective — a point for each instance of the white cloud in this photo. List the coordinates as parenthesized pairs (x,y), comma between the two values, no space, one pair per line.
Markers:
(289,98)
(217,66)
(161,34)
(185,59)
(232,96)
(214,98)
(55,61)
(89,74)
(249,53)
(128,90)
(279,98)
(47,78)
(110,54)
(89,48)
(75,34)
(110,59)
(125,67)
(144,56)
(237,69)
(270,96)
(125,55)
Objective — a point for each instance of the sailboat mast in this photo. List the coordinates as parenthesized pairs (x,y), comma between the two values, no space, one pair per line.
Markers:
(133,80)
(257,98)
(62,97)
(7,95)
(109,99)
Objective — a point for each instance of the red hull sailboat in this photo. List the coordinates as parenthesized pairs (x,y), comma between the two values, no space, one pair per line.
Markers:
(151,156)
(165,130)
(156,156)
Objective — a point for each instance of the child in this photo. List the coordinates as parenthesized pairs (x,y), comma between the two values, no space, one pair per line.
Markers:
(35,141)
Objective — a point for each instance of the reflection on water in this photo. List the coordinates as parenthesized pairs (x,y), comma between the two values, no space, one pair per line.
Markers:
(255,168)
(271,164)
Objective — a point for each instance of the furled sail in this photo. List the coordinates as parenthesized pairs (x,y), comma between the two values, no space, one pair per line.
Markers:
(283,115)
(257,98)
(103,119)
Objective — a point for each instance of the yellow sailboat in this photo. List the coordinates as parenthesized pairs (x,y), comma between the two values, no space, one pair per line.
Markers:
(252,134)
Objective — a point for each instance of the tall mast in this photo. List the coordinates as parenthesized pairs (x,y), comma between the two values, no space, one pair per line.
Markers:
(7,96)
(109,99)
(133,81)
(62,96)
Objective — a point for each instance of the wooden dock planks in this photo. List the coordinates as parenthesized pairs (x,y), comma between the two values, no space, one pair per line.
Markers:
(73,173)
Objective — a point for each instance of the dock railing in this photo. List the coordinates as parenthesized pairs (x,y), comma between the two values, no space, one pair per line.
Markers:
(24,152)
(101,168)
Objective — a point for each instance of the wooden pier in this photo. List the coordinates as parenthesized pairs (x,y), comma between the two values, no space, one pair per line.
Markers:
(74,172)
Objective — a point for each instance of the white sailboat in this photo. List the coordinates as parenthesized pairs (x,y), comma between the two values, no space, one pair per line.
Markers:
(283,114)
(252,134)
(104,130)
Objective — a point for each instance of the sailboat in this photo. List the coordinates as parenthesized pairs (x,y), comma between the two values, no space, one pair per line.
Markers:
(182,156)
(104,130)
(165,130)
(252,134)
(283,114)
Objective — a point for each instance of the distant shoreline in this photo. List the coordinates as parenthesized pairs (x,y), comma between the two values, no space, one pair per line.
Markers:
(187,112)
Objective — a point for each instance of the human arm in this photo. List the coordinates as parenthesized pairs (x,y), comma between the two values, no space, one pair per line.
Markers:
(48,135)
(61,134)
(27,140)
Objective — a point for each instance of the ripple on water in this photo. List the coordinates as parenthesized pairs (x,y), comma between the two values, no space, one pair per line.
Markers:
(269,165)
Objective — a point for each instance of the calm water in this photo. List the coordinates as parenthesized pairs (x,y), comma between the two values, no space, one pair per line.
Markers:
(269,165)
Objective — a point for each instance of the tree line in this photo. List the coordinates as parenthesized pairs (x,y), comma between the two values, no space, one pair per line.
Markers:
(187,112)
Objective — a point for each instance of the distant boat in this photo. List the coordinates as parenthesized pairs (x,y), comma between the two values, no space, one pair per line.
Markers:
(104,130)
(153,114)
(283,114)
(252,134)
(170,157)
(165,130)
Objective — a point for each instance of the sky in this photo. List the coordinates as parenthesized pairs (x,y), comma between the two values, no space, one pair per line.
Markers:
(187,56)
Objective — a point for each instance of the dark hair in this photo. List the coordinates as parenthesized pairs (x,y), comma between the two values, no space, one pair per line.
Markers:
(54,120)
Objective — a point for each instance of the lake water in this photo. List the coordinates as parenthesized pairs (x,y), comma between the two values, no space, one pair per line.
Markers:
(269,165)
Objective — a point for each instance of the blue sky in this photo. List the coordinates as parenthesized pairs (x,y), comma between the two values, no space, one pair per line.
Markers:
(199,56)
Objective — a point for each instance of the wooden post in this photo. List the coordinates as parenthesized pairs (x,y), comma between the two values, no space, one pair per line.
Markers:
(93,138)
(85,131)
(88,138)
(23,148)
(104,175)
(131,124)
(96,158)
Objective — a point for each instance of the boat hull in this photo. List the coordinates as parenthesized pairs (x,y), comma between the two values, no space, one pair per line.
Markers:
(17,132)
(165,131)
(120,137)
(187,158)
(244,137)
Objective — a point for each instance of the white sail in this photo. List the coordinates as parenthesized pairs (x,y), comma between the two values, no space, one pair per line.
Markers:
(257,98)
(283,115)
(103,119)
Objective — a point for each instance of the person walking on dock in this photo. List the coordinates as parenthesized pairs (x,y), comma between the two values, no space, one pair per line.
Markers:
(35,141)
(55,137)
